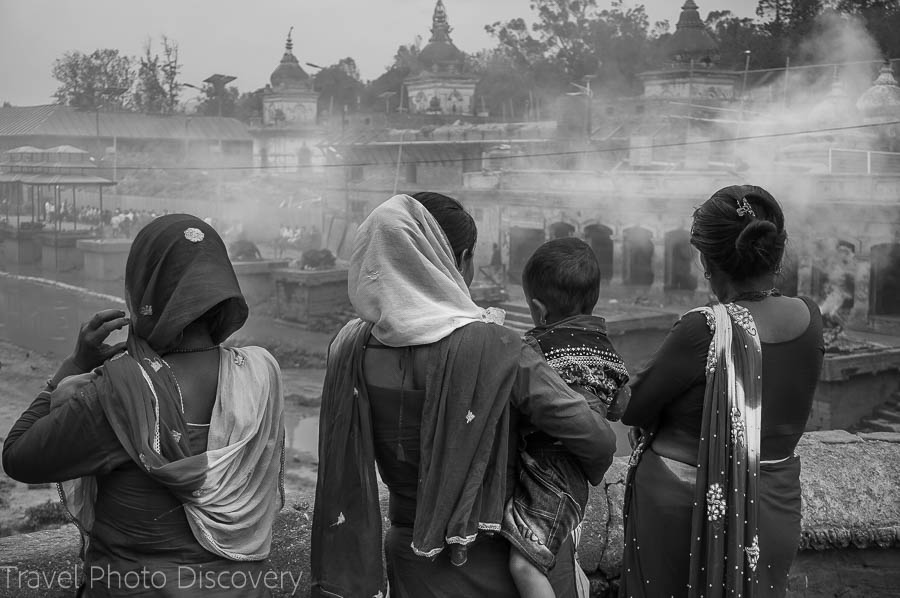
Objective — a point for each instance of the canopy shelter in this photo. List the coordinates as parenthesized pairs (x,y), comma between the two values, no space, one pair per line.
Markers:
(27,172)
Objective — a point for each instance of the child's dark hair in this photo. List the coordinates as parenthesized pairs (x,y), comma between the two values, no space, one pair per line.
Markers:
(455,221)
(564,275)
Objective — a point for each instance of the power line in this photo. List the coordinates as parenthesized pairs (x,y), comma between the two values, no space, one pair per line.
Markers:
(582,152)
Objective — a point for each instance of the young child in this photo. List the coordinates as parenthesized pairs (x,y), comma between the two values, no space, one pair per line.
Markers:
(562,285)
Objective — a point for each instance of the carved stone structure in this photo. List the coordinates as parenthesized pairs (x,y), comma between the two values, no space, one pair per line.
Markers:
(441,86)
(289,132)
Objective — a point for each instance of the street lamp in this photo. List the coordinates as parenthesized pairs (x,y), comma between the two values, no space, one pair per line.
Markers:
(219,82)
(585,90)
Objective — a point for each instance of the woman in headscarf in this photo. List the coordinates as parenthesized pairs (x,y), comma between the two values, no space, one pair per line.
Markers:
(427,386)
(170,454)
(712,504)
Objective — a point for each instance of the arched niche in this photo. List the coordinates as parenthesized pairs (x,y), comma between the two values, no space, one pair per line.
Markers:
(522,243)
(679,261)
(884,280)
(599,237)
(637,256)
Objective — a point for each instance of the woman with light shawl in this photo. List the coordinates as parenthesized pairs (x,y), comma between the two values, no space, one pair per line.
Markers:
(170,453)
(712,503)
(427,386)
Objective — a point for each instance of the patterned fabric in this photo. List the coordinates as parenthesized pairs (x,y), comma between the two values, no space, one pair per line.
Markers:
(581,353)
(724,527)
(724,521)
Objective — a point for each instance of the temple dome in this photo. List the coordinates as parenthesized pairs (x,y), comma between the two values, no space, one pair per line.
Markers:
(440,50)
(836,108)
(883,98)
(289,74)
(691,39)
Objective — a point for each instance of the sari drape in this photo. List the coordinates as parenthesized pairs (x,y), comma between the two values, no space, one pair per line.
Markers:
(724,483)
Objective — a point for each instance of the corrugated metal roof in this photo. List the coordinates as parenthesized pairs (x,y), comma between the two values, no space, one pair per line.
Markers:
(54,179)
(65,121)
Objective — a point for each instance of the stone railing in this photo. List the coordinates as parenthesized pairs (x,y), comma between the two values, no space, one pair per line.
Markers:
(850,541)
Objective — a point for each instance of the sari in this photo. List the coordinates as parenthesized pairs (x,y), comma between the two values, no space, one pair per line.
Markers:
(717,521)
(177,271)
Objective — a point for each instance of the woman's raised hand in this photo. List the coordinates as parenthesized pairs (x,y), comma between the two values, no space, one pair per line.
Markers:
(91,349)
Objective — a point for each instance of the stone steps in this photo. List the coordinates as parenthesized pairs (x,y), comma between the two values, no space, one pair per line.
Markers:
(888,413)
(885,418)
(881,425)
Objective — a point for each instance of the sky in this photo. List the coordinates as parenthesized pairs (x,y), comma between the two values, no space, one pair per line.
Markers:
(246,38)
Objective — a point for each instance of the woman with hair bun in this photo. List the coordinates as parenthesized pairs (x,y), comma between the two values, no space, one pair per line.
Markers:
(712,504)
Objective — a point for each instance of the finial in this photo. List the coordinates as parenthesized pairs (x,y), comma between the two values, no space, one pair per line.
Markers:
(440,28)
(289,46)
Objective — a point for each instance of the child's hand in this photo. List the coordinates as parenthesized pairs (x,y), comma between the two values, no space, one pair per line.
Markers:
(634,436)
(619,404)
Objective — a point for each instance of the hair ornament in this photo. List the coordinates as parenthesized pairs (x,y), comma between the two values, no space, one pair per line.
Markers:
(744,209)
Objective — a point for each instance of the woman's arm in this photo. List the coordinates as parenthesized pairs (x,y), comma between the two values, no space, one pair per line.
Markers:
(678,364)
(73,439)
(554,408)
(69,441)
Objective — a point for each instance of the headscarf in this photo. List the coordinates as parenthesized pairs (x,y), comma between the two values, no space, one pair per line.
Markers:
(403,277)
(178,269)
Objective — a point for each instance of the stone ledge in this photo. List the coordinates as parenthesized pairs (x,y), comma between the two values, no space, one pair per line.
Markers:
(851,508)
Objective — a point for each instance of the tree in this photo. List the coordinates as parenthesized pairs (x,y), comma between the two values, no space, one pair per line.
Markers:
(406,61)
(88,80)
(157,86)
(249,105)
(503,87)
(573,39)
(210,104)
(339,85)
(881,18)
(735,35)
(788,22)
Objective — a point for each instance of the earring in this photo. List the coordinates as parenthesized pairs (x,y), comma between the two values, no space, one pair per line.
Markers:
(778,270)
(707,275)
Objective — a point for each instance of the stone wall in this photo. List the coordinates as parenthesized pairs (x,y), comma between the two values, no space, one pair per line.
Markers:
(850,545)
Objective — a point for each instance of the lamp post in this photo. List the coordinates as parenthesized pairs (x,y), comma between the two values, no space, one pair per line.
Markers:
(585,90)
(746,70)
(219,82)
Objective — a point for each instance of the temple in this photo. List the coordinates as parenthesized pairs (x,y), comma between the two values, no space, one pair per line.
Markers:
(289,116)
(441,83)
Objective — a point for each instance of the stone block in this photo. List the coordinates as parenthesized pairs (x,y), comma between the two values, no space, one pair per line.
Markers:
(104,259)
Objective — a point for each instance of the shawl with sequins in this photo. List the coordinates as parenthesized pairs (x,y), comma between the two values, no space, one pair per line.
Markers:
(724,542)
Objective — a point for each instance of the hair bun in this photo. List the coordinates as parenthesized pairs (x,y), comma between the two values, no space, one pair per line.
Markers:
(759,245)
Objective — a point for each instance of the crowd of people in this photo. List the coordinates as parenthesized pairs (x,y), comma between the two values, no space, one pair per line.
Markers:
(169,448)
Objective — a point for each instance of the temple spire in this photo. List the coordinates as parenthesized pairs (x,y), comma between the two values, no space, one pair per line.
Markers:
(289,45)
(440,28)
